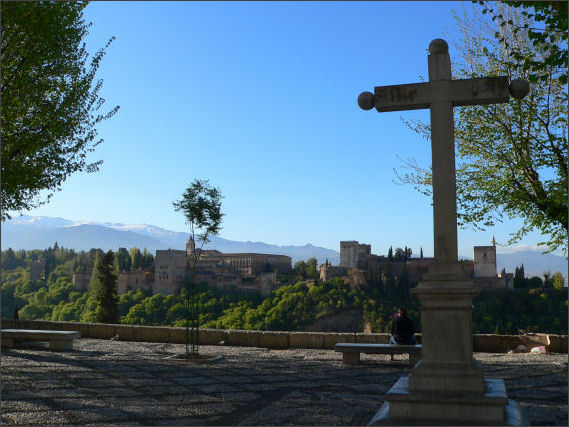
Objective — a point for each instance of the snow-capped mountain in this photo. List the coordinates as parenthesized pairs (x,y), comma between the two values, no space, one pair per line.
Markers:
(27,232)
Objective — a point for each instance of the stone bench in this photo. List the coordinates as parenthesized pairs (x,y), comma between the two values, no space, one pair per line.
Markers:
(58,340)
(351,351)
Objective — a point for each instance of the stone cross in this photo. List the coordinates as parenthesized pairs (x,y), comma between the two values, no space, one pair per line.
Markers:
(447,367)
(440,95)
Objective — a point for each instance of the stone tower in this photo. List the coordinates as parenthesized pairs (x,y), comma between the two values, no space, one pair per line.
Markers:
(348,254)
(354,255)
(485,261)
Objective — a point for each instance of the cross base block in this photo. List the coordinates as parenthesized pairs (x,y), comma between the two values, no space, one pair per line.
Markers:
(491,408)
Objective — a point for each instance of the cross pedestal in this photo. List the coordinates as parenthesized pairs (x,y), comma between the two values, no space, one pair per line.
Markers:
(447,386)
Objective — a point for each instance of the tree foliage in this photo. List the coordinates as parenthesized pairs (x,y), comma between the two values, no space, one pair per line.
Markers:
(312,268)
(123,259)
(201,206)
(50,100)
(512,157)
(504,311)
(546,27)
(290,307)
(104,286)
(519,277)
(558,281)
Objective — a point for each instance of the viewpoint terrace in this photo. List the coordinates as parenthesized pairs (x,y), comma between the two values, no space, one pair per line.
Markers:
(112,382)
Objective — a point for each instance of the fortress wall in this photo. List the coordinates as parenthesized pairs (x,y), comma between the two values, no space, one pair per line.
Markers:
(489,343)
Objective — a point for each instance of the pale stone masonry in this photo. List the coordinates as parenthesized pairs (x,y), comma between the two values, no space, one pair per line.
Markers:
(169,271)
(246,271)
(358,256)
(132,280)
(81,280)
(270,339)
(354,255)
(447,384)
(485,261)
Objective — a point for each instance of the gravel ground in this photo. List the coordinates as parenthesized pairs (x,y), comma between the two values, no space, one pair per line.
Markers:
(130,383)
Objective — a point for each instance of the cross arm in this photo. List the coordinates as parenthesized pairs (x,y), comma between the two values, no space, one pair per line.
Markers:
(414,96)
(481,91)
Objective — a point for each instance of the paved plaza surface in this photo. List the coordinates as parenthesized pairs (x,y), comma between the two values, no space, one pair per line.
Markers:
(131,383)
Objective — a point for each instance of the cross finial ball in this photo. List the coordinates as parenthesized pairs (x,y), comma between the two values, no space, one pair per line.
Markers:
(366,100)
(519,88)
(438,46)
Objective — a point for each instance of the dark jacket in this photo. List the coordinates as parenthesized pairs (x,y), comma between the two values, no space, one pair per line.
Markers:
(402,329)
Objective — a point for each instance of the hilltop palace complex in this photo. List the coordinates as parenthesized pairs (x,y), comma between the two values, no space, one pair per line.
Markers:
(256,272)
(246,271)
(360,266)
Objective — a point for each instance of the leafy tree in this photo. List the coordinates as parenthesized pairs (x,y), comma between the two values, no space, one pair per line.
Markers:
(124,261)
(136,258)
(399,255)
(558,281)
(538,310)
(50,100)
(93,254)
(547,279)
(312,267)
(50,261)
(534,282)
(390,253)
(201,206)
(512,156)
(421,253)
(105,288)
(551,37)
(300,268)
(519,277)
(9,260)
(146,259)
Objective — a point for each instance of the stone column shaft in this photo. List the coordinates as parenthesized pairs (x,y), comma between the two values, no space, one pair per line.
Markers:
(444,180)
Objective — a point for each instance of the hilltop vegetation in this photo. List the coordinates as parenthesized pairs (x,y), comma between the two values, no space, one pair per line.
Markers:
(291,307)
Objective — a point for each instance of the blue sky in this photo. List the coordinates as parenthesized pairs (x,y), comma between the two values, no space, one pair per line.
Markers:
(260,98)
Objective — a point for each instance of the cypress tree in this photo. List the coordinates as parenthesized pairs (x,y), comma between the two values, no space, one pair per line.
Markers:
(123,258)
(94,282)
(136,258)
(106,289)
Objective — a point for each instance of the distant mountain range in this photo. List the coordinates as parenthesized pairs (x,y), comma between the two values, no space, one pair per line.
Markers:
(535,263)
(28,232)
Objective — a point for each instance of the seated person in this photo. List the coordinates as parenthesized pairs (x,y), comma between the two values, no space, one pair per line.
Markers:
(402,329)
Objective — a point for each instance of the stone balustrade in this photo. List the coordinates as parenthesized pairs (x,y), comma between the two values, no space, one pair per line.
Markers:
(489,343)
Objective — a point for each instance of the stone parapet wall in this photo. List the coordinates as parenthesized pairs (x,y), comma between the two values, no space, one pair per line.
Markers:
(489,343)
